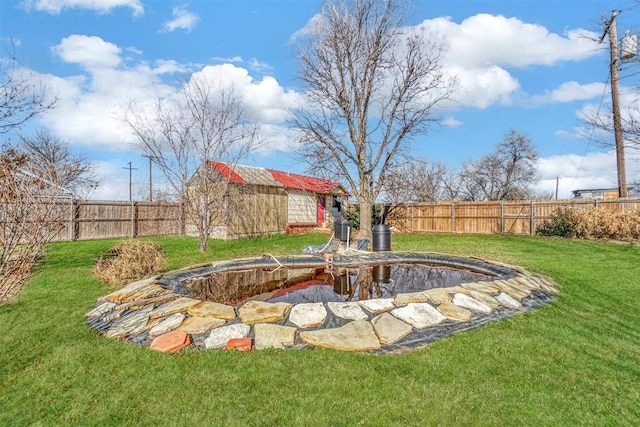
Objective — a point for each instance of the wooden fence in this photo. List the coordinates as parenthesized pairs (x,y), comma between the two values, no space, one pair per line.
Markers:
(89,219)
(521,217)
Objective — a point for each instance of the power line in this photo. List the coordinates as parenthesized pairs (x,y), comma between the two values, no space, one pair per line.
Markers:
(590,138)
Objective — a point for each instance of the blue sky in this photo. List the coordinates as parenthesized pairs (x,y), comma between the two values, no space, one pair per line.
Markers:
(528,65)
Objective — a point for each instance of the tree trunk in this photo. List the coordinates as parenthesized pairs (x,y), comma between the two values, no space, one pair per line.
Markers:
(203,244)
(366,209)
(205,224)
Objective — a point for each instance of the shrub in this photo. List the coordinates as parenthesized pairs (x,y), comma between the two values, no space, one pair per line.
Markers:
(562,222)
(352,214)
(598,223)
(129,261)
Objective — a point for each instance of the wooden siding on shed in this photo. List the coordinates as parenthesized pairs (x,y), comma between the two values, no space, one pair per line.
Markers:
(263,210)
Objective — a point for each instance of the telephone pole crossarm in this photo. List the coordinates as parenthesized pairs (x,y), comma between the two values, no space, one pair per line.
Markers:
(130,178)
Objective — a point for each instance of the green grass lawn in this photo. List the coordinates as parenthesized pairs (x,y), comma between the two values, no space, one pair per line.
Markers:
(574,362)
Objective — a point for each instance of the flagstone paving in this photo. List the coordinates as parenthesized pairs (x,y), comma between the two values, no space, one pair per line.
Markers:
(151,313)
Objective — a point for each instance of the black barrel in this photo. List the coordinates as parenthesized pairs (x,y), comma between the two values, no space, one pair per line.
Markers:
(337,229)
(381,238)
(345,233)
(382,273)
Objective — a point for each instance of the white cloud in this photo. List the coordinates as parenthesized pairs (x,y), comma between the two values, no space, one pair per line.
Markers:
(182,20)
(164,66)
(483,87)
(277,138)
(313,25)
(113,175)
(93,103)
(564,134)
(114,183)
(90,52)
(494,39)
(54,7)
(259,66)
(270,102)
(264,100)
(629,112)
(591,171)
(451,122)
(483,49)
(134,50)
(233,60)
(571,91)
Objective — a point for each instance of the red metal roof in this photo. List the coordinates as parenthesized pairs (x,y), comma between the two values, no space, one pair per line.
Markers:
(302,182)
(227,173)
(248,175)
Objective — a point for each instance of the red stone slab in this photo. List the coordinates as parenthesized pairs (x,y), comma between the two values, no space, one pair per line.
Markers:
(241,344)
(171,342)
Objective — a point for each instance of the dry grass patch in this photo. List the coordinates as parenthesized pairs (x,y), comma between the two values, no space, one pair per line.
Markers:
(129,261)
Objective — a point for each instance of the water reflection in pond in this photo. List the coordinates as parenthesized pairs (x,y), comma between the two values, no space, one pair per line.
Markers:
(325,284)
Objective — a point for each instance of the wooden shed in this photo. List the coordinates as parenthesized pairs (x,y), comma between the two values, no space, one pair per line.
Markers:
(261,201)
(309,199)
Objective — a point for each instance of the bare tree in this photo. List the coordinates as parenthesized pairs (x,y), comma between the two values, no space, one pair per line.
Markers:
(506,174)
(419,180)
(371,87)
(22,97)
(50,157)
(204,123)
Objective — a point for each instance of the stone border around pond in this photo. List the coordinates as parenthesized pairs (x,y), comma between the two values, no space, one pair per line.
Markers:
(156,312)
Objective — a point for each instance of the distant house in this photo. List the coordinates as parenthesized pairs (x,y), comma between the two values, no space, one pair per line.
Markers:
(261,201)
(600,193)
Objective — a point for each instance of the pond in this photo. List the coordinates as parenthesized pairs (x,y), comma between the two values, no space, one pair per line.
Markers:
(311,281)
(381,302)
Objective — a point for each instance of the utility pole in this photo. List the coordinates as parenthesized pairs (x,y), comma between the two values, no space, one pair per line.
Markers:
(150,157)
(130,170)
(615,103)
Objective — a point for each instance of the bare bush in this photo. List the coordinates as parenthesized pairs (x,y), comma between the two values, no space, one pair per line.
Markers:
(31,215)
(129,261)
(593,224)
(29,210)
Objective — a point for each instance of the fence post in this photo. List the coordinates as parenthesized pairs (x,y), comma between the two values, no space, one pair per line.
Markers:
(532,217)
(501,217)
(411,216)
(71,221)
(133,220)
(76,220)
(453,217)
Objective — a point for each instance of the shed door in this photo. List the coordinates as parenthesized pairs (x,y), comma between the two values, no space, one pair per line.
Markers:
(322,203)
